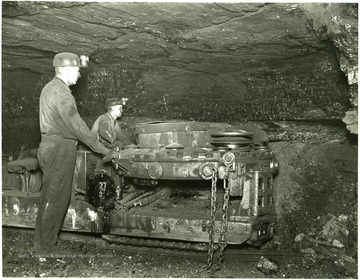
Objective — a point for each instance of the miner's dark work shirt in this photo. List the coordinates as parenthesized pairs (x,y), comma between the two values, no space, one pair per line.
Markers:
(59,116)
(104,129)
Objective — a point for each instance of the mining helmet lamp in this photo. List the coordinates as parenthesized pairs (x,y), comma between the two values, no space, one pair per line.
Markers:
(115,101)
(66,59)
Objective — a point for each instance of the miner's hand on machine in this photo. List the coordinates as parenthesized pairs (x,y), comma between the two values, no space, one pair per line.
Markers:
(117,145)
(110,155)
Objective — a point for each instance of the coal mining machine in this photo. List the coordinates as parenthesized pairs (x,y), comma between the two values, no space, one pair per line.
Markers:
(190,185)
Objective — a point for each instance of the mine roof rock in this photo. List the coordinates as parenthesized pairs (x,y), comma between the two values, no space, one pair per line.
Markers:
(173,34)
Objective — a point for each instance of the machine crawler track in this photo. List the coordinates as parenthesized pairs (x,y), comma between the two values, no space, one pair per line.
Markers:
(233,253)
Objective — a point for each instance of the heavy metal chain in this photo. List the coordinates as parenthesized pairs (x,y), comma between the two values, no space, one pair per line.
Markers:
(224,224)
(211,248)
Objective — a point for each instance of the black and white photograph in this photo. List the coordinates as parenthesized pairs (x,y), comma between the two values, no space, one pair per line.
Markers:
(179,139)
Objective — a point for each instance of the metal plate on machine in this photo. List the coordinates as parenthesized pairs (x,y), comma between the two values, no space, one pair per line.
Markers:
(160,127)
(187,134)
(176,229)
(145,223)
(20,209)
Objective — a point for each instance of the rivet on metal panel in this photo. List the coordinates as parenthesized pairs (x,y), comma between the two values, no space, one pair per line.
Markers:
(209,155)
(204,227)
(194,154)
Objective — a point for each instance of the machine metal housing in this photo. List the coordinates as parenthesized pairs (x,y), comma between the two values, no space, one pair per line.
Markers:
(169,159)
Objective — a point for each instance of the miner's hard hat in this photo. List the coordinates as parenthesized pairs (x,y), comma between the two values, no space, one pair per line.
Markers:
(113,102)
(69,59)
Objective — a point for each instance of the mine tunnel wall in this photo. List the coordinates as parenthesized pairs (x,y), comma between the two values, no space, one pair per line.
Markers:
(318,160)
(310,89)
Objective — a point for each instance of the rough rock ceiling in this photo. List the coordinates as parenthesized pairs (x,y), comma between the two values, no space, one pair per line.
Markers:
(210,37)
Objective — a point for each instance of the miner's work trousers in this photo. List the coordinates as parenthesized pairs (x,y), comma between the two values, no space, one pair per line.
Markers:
(57,158)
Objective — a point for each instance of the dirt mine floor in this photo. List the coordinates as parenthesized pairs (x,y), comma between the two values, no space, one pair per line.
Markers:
(89,260)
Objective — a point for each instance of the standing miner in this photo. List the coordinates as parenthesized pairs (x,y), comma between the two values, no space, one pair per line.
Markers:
(61,127)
